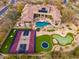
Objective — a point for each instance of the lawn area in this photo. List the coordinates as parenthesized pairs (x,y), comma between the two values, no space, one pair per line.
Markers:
(63,40)
(40,40)
(6,45)
(48,40)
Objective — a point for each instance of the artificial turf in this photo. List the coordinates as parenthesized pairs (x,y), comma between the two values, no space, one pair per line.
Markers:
(39,40)
(7,43)
(49,38)
(63,40)
(43,38)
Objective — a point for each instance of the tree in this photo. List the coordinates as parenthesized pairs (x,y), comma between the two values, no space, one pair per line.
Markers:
(76,52)
(23,57)
(38,29)
(4,1)
(67,14)
(19,7)
(13,15)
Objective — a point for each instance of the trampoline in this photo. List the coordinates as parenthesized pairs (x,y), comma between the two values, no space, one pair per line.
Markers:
(44,45)
(22,48)
(26,33)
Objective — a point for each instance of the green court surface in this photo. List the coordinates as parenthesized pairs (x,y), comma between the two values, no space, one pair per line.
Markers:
(63,40)
(6,44)
(40,40)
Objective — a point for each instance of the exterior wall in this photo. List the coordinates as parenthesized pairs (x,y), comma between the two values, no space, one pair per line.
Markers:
(29,10)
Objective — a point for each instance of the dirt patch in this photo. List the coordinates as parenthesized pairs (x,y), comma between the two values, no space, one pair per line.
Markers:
(2,35)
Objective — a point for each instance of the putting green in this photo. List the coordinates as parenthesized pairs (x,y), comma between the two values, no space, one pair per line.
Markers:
(40,40)
(63,40)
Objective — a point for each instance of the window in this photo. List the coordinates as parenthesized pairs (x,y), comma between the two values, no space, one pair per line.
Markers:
(36,15)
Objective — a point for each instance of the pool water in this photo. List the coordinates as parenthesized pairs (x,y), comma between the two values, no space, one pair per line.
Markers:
(41,24)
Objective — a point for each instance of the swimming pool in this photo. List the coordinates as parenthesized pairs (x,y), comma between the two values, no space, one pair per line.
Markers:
(41,24)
